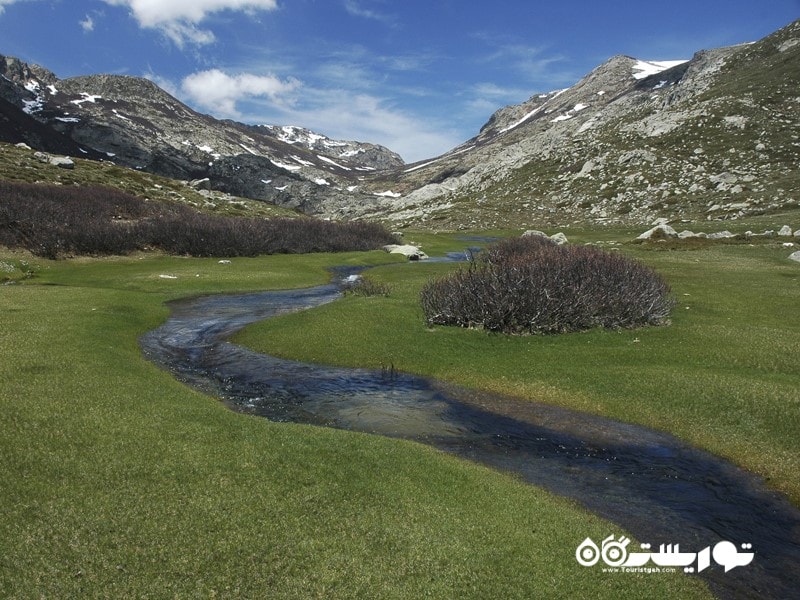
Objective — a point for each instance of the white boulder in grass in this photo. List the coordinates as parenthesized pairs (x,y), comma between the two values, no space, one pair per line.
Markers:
(785,231)
(407,250)
(795,256)
(557,238)
(664,229)
(721,235)
(534,232)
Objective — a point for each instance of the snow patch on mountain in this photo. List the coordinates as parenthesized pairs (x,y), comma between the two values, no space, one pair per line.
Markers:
(285,166)
(85,97)
(645,68)
(332,162)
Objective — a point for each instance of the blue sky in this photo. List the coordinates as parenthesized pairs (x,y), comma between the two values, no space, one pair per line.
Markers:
(417,76)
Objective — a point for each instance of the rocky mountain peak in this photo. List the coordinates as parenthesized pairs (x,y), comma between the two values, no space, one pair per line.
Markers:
(20,73)
(717,136)
(365,155)
(134,123)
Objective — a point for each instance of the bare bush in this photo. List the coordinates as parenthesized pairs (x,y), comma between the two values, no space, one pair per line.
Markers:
(530,285)
(366,286)
(53,221)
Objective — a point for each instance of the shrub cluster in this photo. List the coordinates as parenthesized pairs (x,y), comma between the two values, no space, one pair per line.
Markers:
(53,221)
(531,285)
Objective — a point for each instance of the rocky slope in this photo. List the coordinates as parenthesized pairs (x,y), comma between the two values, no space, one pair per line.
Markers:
(134,123)
(715,137)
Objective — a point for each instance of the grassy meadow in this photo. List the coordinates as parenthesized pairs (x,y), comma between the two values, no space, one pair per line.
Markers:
(724,376)
(117,481)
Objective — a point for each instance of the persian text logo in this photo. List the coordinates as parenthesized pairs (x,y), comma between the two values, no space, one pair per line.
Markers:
(615,554)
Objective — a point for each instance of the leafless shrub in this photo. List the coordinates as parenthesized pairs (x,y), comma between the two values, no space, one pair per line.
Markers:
(530,285)
(53,221)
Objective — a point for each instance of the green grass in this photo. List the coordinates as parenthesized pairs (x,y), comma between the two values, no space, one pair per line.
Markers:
(723,376)
(118,481)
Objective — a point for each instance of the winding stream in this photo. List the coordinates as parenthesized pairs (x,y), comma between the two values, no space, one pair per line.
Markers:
(650,483)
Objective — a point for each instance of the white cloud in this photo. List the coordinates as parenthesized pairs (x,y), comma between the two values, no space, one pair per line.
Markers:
(87,24)
(4,3)
(334,111)
(179,19)
(358,10)
(220,93)
(368,118)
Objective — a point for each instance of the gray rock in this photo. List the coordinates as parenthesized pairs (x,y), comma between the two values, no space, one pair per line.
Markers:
(721,235)
(407,250)
(559,238)
(534,232)
(785,231)
(726,178)
(62,162)
(797,233)
(56,161)
(795,256)
(23,145)
(204,183)
(663,230)
(686,234)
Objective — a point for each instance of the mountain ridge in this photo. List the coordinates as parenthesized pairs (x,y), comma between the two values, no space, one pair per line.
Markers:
(712,137)
(624,155)
(134,123)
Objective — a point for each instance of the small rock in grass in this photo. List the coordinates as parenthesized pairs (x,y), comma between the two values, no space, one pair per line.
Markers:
(658,231)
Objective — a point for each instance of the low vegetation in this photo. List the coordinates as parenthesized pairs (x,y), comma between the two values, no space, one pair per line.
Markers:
(531,285)
(119,481)
(53,221)
(367,286)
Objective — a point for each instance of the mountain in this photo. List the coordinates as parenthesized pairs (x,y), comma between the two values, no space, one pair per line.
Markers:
(134,123)
(716,136)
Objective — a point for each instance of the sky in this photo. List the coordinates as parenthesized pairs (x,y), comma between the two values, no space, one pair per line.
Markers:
(417,76)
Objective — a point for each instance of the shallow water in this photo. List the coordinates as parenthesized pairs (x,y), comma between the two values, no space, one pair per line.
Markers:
(650,483)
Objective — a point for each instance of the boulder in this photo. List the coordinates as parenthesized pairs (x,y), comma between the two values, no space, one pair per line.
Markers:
(535,232)
(795,256)
(407,250)
(785,231)
(62,162)
(559,238)
(56,161)
(721,235)
(658,231)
